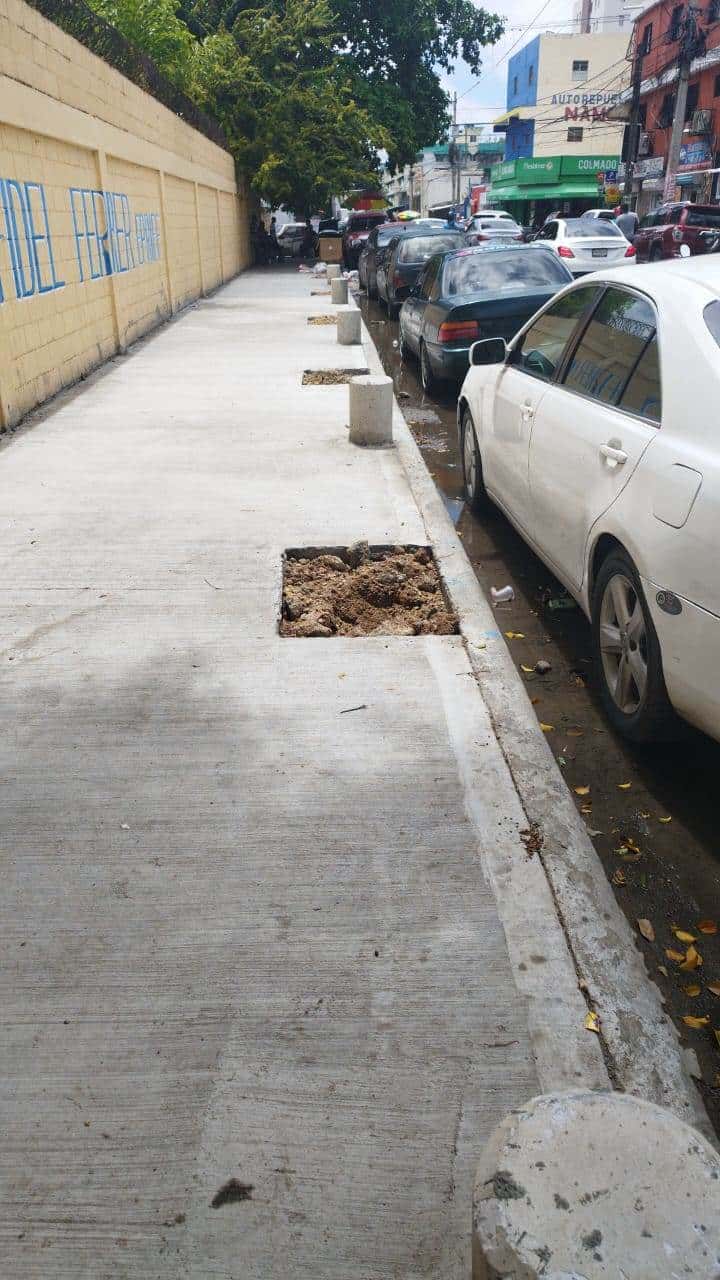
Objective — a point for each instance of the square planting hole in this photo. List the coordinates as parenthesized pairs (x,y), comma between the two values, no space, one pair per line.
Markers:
(322,319)
(330,377)
(320,293)
(364,591)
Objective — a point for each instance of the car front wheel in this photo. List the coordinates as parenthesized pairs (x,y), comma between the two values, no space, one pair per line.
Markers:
(627,654)
(473,487)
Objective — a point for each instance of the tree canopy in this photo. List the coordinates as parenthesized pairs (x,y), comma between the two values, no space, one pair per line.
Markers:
(309,91)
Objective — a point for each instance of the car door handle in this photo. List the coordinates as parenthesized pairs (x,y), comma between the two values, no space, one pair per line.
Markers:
(615,457)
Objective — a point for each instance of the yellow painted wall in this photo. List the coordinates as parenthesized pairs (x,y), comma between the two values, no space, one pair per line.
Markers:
(114,213)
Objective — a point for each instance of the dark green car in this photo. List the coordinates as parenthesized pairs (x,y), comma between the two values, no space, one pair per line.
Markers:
(484,292)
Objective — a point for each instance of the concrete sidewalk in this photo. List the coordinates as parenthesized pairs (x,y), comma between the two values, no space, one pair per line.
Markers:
(246,936)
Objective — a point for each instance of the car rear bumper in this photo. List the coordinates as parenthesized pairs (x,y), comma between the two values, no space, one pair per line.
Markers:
(449,363)
(689,644)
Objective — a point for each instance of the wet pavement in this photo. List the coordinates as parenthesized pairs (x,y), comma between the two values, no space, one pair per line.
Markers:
(650,811)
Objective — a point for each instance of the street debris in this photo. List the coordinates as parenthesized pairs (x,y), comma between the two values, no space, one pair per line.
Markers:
(542,667)
(646,929)
(362,707)
(515,635)
(624,786)
(683,936)
(322,319)
(502,595)
(592,1022)
(581,791)
(714,987)
(696,1023)
(362,590)
(693,990)
(330,377)
(708,926)
(124,826)
(559,603)
(693,960)
(533,839)
(619,877)
(233,1192)
(547,728)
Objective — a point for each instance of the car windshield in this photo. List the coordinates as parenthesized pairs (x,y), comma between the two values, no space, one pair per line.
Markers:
(493,272)
(700,217)
(712,319)
(591,229)
(420,248)
(365,222)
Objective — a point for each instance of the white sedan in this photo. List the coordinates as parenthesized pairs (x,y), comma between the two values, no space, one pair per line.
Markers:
(586,244)
(597,433)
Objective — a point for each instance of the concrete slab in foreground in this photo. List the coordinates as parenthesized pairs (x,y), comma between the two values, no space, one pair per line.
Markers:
(247,933)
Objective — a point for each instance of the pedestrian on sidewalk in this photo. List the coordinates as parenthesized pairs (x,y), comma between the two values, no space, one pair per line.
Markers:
(627,220)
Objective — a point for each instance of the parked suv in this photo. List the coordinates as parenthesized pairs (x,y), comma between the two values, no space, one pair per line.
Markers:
(663,231)
(359,226)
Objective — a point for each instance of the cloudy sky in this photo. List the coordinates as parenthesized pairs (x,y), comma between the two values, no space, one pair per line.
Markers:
(486,99)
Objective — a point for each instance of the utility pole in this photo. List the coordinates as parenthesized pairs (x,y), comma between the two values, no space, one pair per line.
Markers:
(633,133)
(690,45)
(454,168)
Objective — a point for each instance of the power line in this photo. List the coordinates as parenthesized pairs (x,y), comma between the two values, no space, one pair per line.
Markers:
(495,65)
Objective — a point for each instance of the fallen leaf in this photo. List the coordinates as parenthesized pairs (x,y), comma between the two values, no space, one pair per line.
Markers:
(515,635)
(677,956)
(696,1023)
(645,815)
(624,786)
(629,856)
(663,970)
(547,728)
(630,844)
(646,930)
(592,1023)
(587,808)
(665,819)
(528,670)
(714,987)
(593,833)
(581,791)
(534,701)
(575,733)
(693,990)
(707,926)
(619,877)
(692,960)
(682,936)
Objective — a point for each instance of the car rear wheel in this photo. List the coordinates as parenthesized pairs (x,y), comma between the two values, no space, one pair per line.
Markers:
(427,377)
(473,487)
(627,654)
(656,253)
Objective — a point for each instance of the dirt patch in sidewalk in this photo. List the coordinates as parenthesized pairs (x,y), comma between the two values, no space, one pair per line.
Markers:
(322,319)
(364,591)
(330,377)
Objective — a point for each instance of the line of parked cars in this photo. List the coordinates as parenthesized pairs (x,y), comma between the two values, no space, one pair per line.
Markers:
(588,414)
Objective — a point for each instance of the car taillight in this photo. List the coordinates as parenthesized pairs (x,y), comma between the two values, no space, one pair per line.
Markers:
(564,251)
(458,331)
(677,234)
(479,236)
(630,251)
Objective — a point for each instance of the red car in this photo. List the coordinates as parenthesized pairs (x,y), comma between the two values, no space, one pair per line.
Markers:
(359,226)
(663,231)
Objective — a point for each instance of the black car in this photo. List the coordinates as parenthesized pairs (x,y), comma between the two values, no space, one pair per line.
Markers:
(484,292)
(398,270)
(379,242)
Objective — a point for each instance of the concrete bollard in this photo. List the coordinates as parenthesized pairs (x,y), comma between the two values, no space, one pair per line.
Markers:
(348,326)
(334,270)
(595,1185)
(371,409)
(339,292)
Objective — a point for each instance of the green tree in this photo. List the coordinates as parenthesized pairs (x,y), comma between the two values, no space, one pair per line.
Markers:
(285,101)
(154,27)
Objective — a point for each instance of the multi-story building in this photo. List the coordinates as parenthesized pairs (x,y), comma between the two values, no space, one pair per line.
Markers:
(658,32)
(604,15)
(430,184)
(558,135)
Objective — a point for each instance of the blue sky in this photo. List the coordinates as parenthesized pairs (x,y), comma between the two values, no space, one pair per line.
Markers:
(483,101)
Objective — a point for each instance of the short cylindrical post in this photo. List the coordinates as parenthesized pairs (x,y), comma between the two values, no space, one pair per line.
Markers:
(348,326)
(339,292)
(371,410)
(334,270)
(576,1184)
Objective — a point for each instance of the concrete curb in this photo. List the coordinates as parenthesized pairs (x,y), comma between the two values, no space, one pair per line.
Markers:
(642,1049)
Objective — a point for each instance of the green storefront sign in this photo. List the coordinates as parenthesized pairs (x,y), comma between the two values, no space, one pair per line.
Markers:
(546,170)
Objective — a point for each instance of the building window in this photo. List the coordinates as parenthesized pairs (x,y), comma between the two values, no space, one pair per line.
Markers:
(531,74)
(693,94)
(473,137)
(716,90)
(675,22)
(667,111)
(646,42)
(580,69)
(575,135)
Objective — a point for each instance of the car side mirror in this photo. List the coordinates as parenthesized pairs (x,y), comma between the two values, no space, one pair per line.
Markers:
(488,351)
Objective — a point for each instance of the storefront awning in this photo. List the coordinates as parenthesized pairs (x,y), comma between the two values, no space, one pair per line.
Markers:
(553,191)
